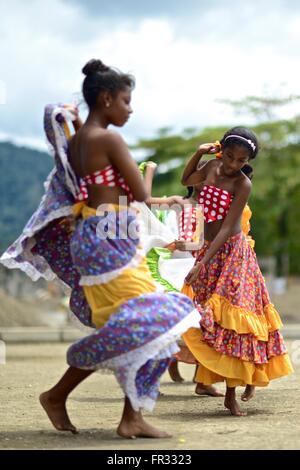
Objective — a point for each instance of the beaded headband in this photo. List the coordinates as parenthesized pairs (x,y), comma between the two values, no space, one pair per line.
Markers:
(252,145)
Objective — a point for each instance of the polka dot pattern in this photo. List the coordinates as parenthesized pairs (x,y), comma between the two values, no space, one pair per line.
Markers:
(108,176)
(216,202)
(187,223)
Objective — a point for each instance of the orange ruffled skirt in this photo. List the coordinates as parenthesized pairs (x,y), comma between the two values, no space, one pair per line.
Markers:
(238,339)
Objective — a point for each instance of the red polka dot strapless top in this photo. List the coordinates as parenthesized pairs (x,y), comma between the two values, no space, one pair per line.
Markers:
(108,176)
(216,202)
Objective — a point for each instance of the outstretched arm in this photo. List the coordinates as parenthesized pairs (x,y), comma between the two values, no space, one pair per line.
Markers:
(165,201)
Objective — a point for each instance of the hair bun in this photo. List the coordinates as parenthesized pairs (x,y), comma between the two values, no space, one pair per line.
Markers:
(94,66)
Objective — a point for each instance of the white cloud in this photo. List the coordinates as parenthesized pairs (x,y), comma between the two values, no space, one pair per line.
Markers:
(180,67)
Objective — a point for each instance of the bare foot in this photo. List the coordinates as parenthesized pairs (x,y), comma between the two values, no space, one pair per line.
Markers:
(248,393)
(139,428)
(57,413)
(174,372)
(209,390)
(232,405)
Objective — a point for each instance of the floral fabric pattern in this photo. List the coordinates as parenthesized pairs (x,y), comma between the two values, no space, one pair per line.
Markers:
(233,293)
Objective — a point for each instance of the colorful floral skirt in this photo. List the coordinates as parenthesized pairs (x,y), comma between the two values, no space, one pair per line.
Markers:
(136,328)
(239,339)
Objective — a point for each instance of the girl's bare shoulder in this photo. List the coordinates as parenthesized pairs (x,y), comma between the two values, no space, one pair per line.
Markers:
(242,183)
(108,137)
(211,166)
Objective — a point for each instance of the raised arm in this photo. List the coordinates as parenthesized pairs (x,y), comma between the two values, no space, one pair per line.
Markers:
(76,121)
(192,174)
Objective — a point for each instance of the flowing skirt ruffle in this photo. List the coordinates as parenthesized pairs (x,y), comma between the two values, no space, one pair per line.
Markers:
(136,327)
(239,339)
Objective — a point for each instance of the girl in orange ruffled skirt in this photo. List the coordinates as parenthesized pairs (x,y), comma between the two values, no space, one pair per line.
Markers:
(238,340)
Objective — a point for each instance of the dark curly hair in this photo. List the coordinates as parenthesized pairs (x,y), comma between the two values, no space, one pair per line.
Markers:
(100,77)
(241,136)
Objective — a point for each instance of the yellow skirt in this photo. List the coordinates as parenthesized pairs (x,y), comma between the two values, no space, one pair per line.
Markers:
(238,339)
(131,281)
(216,367)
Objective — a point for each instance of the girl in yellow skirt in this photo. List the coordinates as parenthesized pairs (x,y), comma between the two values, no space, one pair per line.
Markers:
(238,340)
(85,232)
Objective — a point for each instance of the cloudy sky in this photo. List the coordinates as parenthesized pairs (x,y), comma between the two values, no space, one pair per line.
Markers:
(185,55)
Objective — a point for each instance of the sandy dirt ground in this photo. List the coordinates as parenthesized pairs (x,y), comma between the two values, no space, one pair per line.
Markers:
(273,420)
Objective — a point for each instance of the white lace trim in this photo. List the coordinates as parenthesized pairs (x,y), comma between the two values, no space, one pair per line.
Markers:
(162,347)
(28,269)
(28,233)
(106,277)
(7,259)
(49,147)
(48,179)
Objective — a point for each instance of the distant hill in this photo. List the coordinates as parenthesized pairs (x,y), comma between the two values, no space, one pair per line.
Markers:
(22,173)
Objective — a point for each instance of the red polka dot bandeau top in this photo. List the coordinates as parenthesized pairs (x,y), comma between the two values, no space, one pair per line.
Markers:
(108,176)
(216,202)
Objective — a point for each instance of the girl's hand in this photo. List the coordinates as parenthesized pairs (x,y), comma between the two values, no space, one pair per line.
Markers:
(73,110)
(197,271)
(180,245)
(208,148)
(152,165)
(171,246)
(175,200)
